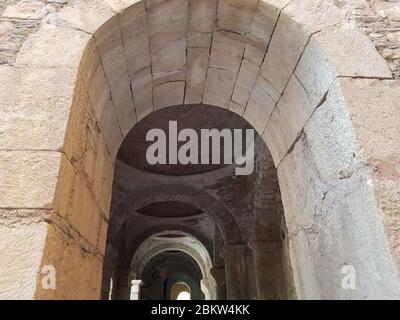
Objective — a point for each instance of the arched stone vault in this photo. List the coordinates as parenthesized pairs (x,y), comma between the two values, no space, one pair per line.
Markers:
(312,85)
(183,193)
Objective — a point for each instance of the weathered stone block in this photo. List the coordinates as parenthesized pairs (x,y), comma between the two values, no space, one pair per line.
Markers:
(197,59)
(218,88)
(28,178)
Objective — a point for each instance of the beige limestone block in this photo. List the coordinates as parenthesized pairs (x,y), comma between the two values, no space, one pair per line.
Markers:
(374,109)
(218,88)
(84,215)
(28,178)
(94,79)
(173,76)
(329,204)
(315,15)
(79,118)
(226,51)
(235,15)
(122,99)
(103,177)
(287,44)
(244,84)
(236,108)
(119,6)
(110,129)
(168,21)
(78,272)
(65,188)
(278,4)
(21,249)
(135,36)
(86,15)
(343,44)
(168,94)
(315,72)
(261,30)
(259,108)
(169,58)
(102,240)
(142,87)
(53,47)
(330,54)
(111,50)
(34,107)
(197,59)
(202,15)
(25,9)
(287,120)
(199,39)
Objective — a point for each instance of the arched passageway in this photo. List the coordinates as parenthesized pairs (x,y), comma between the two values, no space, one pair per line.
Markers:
(320,196)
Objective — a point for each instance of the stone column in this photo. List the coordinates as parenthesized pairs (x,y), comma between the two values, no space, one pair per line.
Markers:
(220,278)
(237,287)
(123,285)
(135,289)
(269,274)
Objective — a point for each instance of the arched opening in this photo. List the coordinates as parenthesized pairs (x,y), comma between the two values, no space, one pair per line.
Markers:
(292,72)
(180,291)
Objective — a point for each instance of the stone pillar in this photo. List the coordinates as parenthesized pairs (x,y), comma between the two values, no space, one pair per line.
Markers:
(220,278)
(237,287)
(135,289)
(269,274)
(124,287)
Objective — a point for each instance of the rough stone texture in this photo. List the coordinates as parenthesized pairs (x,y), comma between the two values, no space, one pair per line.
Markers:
(34,100)
(22,240)
(143,58)
(288,119)
(372,102)
(289,37)
(341,199)
(28,178)
(65,254)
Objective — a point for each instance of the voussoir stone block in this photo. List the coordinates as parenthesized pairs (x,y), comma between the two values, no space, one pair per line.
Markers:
(111,50)
(142,87)
(219,87)
(235,15)
(197,59)
(261,30)
(167,22)
(288,119)
(226,51)
(244,84)
(259,107)
(133,22)
(202,15)
(93,76)
(285,49)
(110,129)
(168,94)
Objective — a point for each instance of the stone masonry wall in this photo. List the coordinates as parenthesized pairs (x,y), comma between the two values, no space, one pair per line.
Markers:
(379,19)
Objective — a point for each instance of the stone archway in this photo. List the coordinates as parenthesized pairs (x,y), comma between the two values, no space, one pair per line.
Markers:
(294,73)
(153,246)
